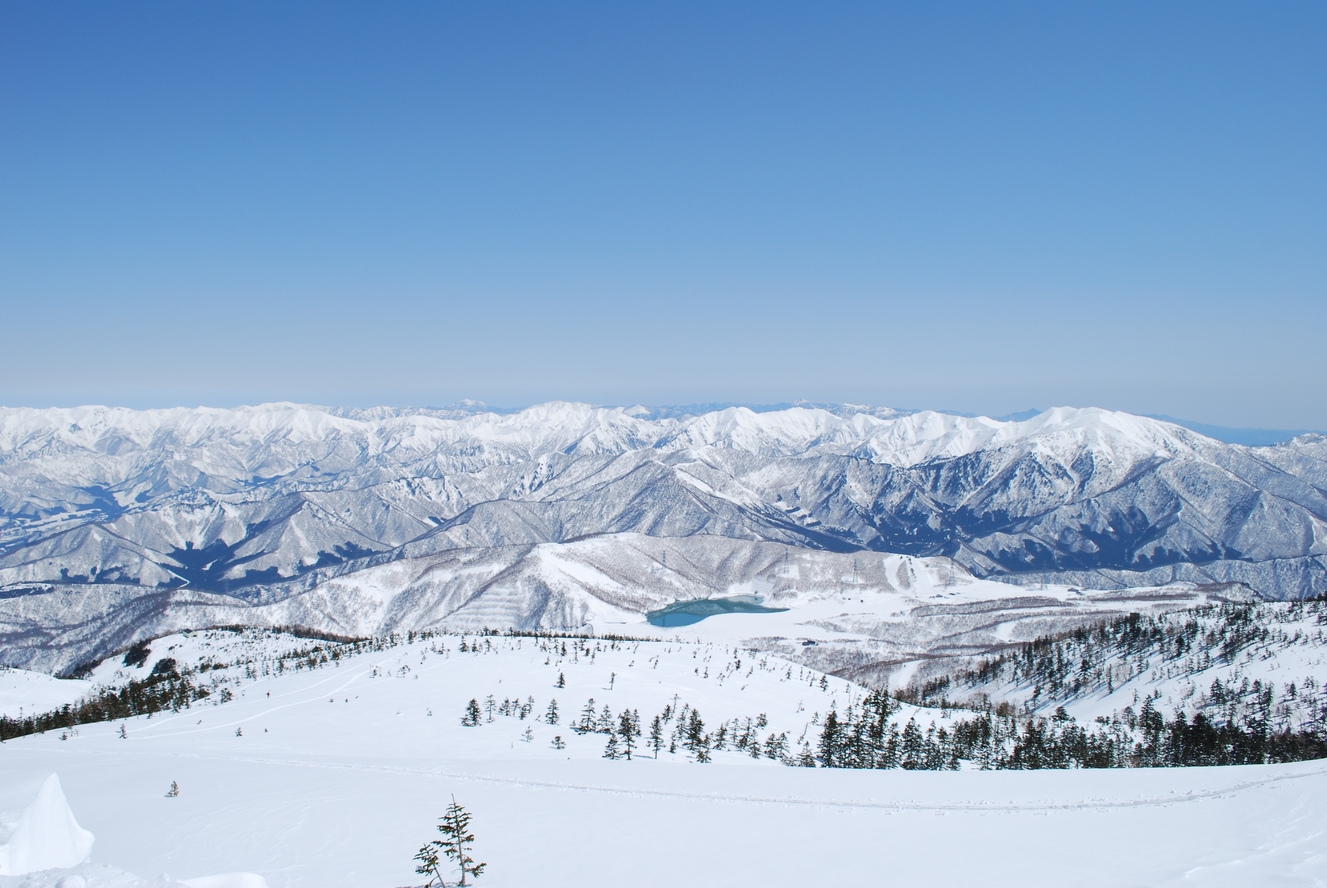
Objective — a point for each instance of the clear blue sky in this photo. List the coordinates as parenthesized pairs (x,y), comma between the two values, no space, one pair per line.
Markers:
(981,207)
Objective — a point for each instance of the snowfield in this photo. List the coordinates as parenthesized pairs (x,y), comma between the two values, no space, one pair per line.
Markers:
(334,775)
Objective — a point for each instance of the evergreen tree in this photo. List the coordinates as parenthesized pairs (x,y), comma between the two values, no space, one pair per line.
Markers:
(831,742)
(455,845)
(656,735)
(551,716)
(471,717)
(911,753)
(697,741)
(627,731)
(586,723)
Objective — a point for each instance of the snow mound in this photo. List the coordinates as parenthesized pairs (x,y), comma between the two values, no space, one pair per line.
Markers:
(47,835)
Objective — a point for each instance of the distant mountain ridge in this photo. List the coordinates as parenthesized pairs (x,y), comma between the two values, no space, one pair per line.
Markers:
(246,502)
(1251,437)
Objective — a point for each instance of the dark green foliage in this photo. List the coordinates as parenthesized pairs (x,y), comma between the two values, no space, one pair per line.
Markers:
(628,729)
(996,739)
(656,735)
(158,692)
(137,655)
(455,845)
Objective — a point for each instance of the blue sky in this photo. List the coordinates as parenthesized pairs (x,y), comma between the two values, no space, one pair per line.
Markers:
(980,207)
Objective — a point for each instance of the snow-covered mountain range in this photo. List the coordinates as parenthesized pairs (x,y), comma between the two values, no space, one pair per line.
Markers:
(258,504)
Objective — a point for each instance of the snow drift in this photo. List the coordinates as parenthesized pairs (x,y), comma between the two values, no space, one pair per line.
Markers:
(47,835)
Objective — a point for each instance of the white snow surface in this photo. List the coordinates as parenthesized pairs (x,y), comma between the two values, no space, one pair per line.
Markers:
(28,693)
(46,836)
(334,776)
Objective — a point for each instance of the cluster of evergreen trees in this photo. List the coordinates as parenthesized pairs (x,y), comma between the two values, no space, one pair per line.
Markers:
(1168,647)
(169,687)
(866,737)
(165,689)
(680,726)
(1237,720)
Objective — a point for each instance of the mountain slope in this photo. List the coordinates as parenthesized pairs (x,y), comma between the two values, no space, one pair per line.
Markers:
(259,503)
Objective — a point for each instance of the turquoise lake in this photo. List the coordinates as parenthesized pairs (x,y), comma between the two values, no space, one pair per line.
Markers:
(684,613)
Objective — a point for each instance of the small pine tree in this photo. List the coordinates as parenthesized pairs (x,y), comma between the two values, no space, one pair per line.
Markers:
(551,716)
(559,743)
(610,750)
(122,735)
(586,724)
(562,679)
(627,730)
(656,735)
(471,717)
(695,730)
(454,845)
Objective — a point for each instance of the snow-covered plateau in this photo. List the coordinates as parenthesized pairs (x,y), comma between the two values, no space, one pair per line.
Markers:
(312,763)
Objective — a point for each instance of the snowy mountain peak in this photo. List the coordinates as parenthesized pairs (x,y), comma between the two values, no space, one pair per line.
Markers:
(244,500)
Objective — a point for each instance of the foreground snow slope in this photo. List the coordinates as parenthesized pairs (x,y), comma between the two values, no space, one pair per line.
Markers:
(337,777)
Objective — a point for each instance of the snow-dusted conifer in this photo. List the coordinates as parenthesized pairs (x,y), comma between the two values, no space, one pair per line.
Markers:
(656,735)
(455,845)
(627,731)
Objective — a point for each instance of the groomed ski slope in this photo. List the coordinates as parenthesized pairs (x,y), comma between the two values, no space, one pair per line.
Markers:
(337,777)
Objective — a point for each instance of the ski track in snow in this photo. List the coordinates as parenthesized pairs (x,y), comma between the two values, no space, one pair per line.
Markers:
(1171,799)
